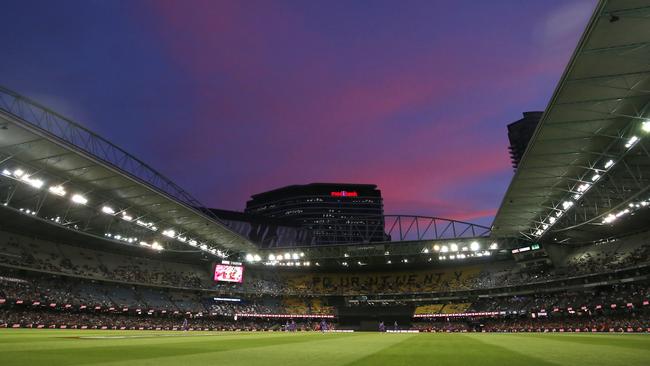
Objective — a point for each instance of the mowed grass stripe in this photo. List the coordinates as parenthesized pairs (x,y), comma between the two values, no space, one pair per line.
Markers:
(448,349)
(638,341)
(83,351)
(563,349)
(325,350)
(24,339)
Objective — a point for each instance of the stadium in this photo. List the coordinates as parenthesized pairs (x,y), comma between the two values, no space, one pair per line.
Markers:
(103,260)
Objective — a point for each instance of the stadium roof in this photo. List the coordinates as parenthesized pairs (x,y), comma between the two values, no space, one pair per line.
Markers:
(52,151)
(588,160)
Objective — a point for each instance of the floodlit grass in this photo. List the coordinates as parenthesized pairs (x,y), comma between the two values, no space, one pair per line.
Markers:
(71,347)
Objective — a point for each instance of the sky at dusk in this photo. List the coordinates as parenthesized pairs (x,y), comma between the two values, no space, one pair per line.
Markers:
(231,98)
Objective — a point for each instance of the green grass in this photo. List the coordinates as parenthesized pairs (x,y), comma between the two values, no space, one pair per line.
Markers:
(71,347)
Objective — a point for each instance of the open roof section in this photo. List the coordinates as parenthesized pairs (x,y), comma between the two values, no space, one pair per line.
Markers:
(60,151)
(565,180)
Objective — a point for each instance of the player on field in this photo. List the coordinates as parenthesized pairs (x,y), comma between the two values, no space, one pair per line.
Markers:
(323,326)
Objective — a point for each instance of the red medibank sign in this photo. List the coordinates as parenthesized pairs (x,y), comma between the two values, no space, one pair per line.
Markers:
(344,194)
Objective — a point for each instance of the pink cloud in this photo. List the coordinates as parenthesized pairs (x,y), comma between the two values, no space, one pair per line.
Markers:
(312,116)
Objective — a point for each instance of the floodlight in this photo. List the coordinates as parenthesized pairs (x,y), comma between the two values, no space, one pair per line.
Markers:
(631,141)
(108,210)
(609,163)
(453,247)
(609,219)
(77,198)
(645,126)
(474,246)
(36,183)
(57,190)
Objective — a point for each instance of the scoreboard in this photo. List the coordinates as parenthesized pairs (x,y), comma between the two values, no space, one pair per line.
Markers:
(229,272)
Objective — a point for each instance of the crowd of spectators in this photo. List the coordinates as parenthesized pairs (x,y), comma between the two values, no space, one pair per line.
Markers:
(90,264)
(30,318)
(593,259)
(636,322)
(62,291)
(32,254)
(605,259)
(628,296)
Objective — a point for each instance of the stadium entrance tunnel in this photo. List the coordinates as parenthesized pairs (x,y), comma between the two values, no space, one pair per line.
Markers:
(368,317)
